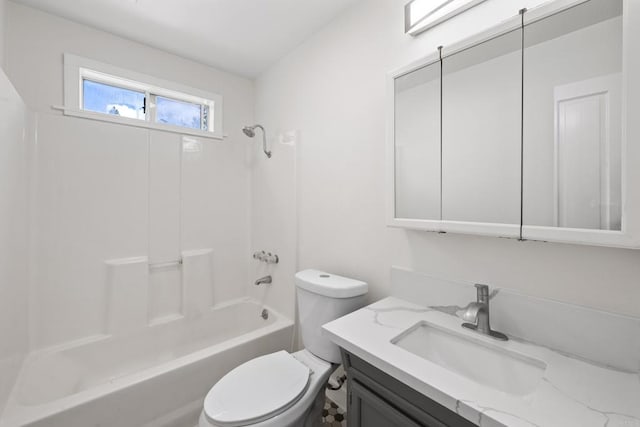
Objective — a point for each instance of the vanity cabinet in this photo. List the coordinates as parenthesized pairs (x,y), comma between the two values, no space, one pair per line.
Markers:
(375,399)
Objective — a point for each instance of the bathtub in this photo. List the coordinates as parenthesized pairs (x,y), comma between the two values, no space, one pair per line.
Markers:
(157,377)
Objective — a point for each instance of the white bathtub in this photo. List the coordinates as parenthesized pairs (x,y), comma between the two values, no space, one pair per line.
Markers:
(156,377)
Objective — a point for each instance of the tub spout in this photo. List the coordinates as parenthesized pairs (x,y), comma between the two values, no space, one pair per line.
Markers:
(265,279)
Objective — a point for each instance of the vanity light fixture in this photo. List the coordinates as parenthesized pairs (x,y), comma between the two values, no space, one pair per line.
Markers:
(420,15)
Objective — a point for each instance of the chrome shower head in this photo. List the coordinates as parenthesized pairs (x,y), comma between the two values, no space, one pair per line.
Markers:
(250,131)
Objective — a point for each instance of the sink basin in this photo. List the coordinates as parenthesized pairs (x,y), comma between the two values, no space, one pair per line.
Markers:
(477,359)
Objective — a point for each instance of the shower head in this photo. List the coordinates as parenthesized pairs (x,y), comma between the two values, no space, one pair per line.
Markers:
(250,131)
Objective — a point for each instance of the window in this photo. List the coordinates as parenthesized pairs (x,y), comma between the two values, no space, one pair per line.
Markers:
(420,15)
(180,113)
(104,98)
(104,92)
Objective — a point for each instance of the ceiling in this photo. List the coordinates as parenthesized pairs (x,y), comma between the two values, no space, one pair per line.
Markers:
(240,36)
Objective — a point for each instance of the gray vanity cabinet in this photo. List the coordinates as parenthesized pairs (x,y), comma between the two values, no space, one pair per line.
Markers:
(378,400)
(366,408)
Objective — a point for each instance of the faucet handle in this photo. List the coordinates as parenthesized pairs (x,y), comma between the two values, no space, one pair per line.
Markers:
(471,313)
(483,292)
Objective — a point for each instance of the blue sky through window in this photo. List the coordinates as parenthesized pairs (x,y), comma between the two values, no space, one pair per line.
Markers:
(108,99)
(178,113)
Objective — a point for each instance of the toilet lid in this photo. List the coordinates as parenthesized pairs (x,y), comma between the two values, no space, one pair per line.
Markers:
(257,390)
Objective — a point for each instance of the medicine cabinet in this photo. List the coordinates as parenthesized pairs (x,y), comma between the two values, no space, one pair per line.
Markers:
(524,131)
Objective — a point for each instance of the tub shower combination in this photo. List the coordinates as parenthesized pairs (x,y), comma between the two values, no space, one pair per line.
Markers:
(145,372)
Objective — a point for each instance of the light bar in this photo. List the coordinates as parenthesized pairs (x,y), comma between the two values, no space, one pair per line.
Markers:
(420,15)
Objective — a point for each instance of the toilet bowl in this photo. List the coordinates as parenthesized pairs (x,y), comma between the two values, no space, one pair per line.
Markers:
(272,397)
(288,389)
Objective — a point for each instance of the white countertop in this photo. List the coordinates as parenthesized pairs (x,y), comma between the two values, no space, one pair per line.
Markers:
(572,392)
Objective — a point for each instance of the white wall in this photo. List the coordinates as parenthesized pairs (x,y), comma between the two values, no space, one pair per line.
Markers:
(332,88)
(14,183)
(3,24)
(104,190)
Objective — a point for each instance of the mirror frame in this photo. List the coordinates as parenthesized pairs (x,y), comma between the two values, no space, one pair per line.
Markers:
(629,235)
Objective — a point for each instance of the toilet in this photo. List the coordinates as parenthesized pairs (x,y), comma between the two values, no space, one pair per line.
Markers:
(288,389)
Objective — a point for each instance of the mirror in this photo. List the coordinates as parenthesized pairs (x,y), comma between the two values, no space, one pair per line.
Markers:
(481,88)
(573,118)
(520,131)
(417,143)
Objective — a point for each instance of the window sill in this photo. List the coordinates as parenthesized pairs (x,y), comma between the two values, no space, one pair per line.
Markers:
(136,123)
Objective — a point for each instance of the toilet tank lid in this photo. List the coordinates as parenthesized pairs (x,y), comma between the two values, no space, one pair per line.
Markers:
(330,285)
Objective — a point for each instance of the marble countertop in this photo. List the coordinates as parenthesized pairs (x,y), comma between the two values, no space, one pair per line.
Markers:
(572,392)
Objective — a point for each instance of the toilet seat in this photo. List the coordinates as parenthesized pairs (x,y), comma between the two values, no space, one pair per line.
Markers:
(257,390)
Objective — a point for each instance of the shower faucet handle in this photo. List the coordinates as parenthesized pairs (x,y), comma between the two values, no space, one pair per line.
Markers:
(267,257)
(272,258)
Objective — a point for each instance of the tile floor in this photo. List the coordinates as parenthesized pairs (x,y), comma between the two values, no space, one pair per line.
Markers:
(333,416)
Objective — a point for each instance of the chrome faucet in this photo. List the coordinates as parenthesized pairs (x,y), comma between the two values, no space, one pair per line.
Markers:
(265,279)
(478,312)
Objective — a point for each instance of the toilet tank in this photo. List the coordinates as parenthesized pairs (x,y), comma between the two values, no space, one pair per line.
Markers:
(323,297)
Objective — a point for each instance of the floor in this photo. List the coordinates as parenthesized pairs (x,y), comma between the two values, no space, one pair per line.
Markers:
(333,416)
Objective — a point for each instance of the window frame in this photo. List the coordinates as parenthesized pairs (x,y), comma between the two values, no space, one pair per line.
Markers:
(77,69)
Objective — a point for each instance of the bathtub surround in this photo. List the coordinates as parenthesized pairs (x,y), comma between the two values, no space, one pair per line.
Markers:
(332,88)
(139,233)
(128,285)
(134,303)
(14,186)
(106,191)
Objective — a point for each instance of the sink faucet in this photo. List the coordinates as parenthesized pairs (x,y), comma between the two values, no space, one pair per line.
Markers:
(478,312)
(265,279)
